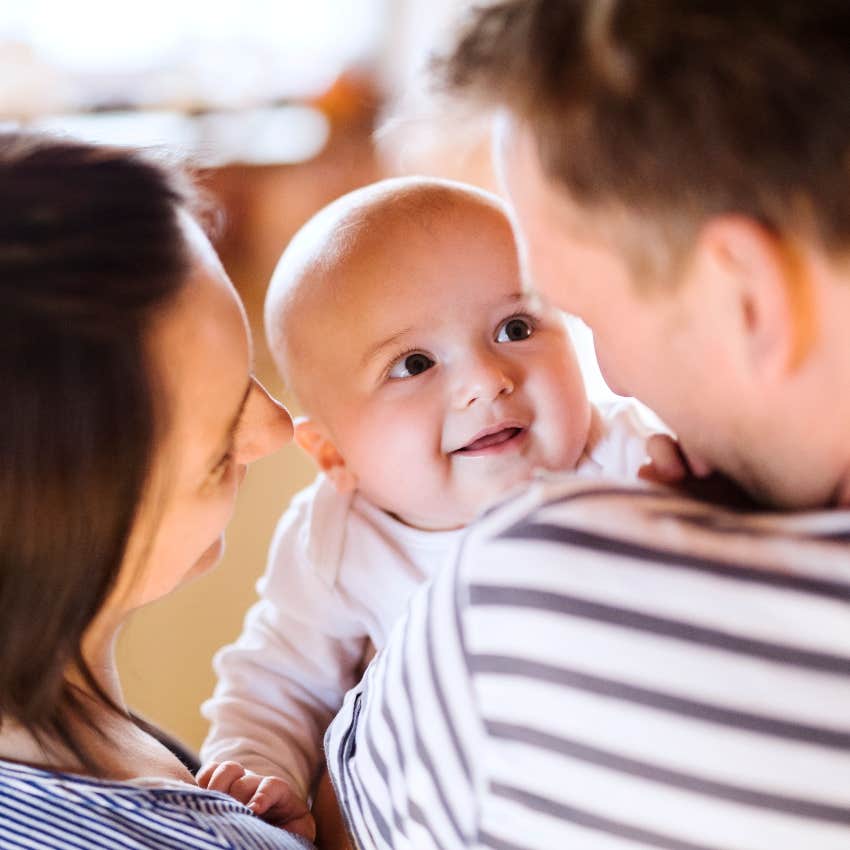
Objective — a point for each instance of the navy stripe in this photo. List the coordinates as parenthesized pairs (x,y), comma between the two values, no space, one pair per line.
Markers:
(32,840)
(706,712)
(32,814)
(64,839)
(581,817)
(377,817)
(721,523)
(607,545)
(55,805)
(589,491)
(702,513)
(413,811)
(626,618)
(673,778)
(346,753)
(421,749)
(433,663)
(381,767)
(62,811)
(487,839)
(628,491)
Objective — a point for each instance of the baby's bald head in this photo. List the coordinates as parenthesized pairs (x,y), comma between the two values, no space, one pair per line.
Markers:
(345,259)
(432,381)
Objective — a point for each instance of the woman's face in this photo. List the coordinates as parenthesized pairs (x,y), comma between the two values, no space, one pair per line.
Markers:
(218,420)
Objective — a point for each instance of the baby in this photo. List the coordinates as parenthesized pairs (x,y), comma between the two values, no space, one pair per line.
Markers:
(433,383)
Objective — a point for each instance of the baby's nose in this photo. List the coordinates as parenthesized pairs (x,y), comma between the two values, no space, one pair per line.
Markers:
(484,379)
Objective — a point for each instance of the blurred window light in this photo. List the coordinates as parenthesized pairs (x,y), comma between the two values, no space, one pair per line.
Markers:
(282,134)
(189,54)
(127,129)
(269,136)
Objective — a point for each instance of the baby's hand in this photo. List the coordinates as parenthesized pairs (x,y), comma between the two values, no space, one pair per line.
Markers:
(269,797)
(670,464)
(667,463)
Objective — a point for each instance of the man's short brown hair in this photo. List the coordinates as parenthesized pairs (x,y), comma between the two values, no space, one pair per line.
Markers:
(677,110)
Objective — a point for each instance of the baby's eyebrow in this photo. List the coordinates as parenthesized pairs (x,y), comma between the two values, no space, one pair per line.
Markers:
(530,298)
(374,350)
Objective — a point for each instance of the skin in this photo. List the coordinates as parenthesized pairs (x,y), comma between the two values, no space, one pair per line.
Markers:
(394,322)
(220,420)
(445,287)
(749,401)
(201,350)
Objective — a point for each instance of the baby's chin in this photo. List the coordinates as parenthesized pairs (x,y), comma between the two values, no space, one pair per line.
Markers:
(470,505)
(509,490)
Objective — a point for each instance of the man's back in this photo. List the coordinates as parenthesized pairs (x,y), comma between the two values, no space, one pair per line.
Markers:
(607,667)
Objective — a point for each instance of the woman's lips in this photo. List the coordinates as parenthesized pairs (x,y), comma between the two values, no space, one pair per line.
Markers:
(494,441)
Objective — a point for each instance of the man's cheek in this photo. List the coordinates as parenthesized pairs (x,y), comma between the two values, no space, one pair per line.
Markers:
(613,376)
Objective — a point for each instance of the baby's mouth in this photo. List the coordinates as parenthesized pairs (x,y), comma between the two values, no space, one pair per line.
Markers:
(492,440)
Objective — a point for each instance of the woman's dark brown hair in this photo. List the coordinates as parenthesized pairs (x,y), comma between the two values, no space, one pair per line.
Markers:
(91,248)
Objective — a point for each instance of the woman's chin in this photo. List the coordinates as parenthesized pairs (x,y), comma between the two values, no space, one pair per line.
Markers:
(208,560)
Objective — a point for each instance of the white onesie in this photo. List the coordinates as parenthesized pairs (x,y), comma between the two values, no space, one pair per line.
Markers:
(339,575)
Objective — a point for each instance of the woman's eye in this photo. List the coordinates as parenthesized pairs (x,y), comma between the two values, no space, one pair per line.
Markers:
(514,330)
(220,470)
(411,365)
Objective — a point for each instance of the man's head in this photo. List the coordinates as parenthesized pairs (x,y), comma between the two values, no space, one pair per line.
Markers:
(680,176)
(431,381)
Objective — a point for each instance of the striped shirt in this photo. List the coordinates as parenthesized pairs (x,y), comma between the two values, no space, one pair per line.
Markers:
(618,668)
(43,810)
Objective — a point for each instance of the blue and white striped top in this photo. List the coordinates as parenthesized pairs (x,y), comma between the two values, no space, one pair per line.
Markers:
(612,668)
(43,810)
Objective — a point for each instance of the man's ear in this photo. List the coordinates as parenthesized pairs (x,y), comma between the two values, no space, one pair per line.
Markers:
(773,290)
(311,437)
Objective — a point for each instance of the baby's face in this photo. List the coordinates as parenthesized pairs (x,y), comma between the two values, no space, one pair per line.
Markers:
(442,384)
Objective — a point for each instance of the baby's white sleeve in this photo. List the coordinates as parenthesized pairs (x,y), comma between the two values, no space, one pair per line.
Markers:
(283,680)
(627,425)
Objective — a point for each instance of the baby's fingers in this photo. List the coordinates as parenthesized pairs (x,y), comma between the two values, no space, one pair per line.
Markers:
(276,802)
(666,464)
(220,777)
(204,775)
(275,797)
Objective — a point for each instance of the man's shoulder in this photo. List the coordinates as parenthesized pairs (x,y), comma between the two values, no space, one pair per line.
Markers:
(562,516)
(627,646)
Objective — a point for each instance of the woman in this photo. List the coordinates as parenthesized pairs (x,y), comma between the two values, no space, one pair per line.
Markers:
(130,416)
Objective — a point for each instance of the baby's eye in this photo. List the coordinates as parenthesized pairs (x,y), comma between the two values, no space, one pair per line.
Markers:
(410,365)
(515,329)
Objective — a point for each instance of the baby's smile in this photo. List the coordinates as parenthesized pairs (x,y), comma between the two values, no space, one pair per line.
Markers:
(497,439)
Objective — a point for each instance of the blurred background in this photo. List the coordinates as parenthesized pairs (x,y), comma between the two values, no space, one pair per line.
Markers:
(280,107)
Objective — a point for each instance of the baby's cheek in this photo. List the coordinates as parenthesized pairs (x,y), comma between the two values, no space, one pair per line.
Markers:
(563,428)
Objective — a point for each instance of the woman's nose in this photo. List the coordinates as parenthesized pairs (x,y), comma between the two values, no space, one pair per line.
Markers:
(266,426)
(484,378)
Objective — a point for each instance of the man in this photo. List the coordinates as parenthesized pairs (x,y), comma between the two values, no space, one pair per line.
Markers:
(607,666)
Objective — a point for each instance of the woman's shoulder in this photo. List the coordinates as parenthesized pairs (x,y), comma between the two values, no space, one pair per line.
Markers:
(48,808)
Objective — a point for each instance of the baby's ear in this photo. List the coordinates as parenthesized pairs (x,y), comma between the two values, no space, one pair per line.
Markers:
(312,439)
